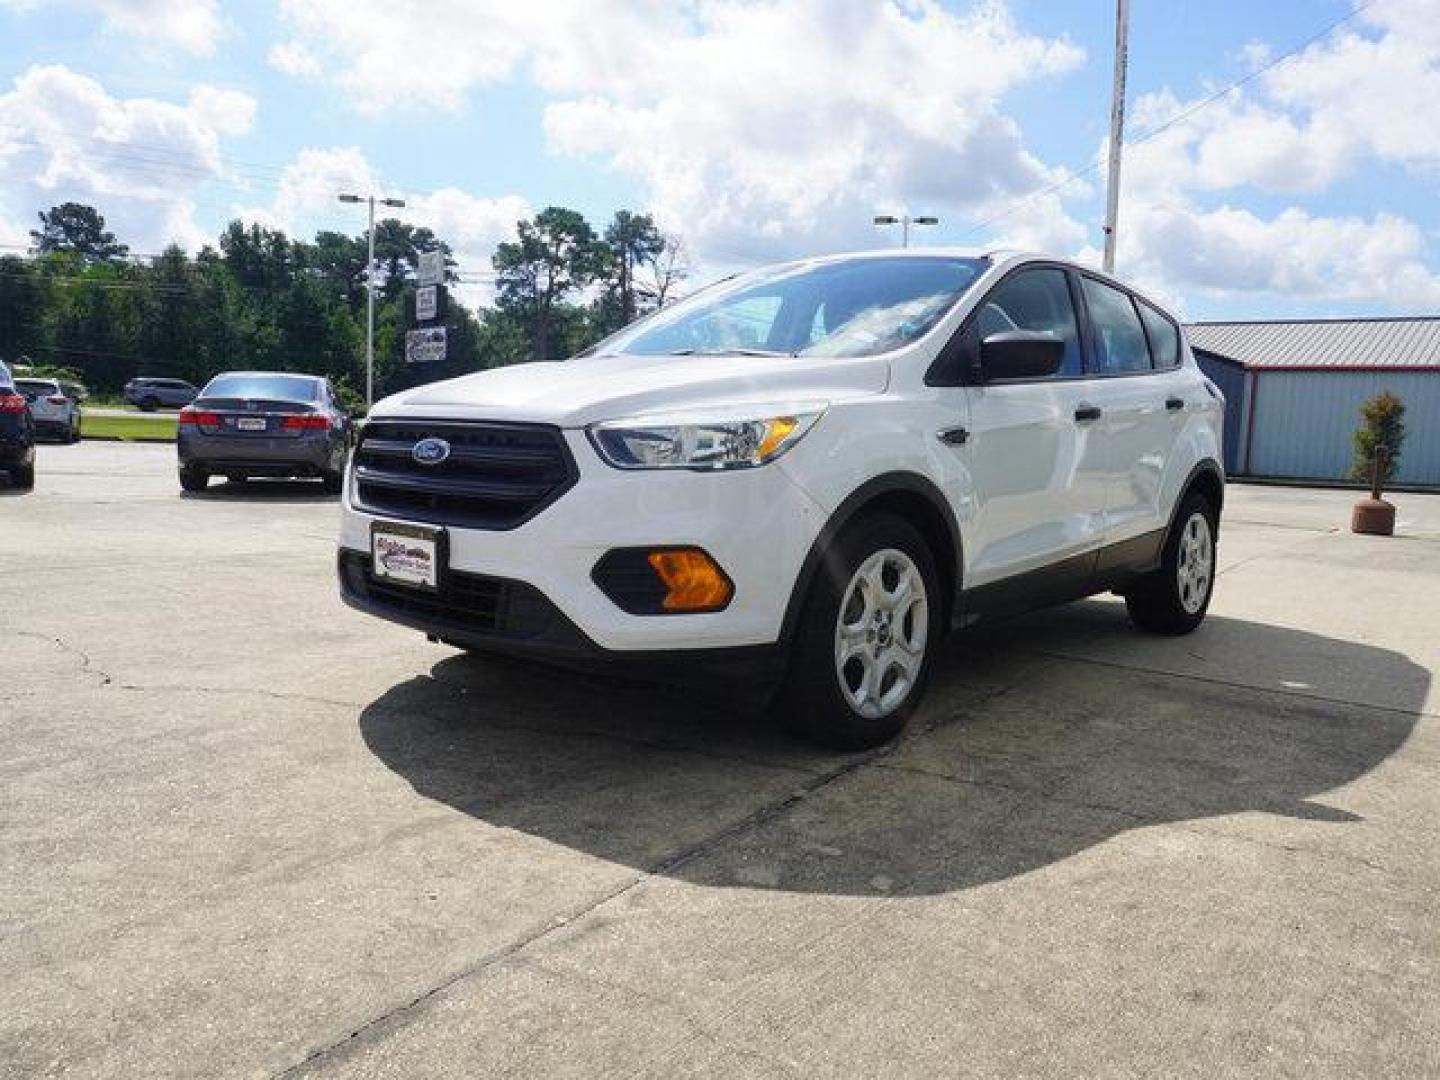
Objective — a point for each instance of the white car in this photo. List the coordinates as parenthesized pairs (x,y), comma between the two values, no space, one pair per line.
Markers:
(803,477)
(56,413)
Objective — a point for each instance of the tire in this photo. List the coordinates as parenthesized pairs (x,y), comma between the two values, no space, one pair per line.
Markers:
(24,477)
(334,482)
(864,701)
(1174,599)
(149,404)
(192,479)
(74,431)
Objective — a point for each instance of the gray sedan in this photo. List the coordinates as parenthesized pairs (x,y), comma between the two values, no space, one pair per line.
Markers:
(260,423)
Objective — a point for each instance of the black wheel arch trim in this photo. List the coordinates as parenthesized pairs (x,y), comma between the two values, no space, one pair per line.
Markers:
(854,505)
(1203,467)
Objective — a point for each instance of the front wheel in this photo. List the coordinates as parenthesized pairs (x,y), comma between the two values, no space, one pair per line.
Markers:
(1174,599)
(862,649)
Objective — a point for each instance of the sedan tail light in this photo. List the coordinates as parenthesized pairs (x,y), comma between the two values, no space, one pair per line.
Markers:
(199,417)
(306,422)
(12,403)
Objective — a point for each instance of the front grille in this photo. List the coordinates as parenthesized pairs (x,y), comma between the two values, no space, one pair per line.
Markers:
(497,476)
(470,602)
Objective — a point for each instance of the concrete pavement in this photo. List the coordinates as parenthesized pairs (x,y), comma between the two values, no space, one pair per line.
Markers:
(246,831)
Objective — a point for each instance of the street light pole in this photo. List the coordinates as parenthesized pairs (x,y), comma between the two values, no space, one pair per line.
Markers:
(370,289)
(1117,130)
(905,221)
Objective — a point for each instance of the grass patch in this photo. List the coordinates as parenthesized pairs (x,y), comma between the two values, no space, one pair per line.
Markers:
(139,426)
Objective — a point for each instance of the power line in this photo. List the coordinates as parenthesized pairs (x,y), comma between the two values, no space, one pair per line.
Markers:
(1166,125)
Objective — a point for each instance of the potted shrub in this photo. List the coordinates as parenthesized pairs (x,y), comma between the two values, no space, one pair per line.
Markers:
(1377,456)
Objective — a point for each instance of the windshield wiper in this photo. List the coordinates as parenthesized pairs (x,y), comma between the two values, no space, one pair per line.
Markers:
(730,352)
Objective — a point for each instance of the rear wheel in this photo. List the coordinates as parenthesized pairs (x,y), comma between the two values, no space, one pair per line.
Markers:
(193,479)
(74,434)
(24,477)
(333,481)
(862,650)
(1174,599)
(149,404)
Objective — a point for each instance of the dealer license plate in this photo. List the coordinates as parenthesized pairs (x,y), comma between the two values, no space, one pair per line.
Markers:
(407,554)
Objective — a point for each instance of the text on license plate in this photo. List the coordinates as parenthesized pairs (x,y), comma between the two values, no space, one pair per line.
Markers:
(251,423)
(409,554)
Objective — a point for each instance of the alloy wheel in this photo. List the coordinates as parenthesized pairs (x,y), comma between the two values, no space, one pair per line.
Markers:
(881,633)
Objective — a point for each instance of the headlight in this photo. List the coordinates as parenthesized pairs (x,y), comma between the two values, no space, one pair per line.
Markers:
(703,441)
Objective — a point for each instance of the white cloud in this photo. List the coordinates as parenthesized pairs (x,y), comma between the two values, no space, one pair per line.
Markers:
(305,200)
(141,161)
(294,59)
(192,25)
(745,122)
(1361,99)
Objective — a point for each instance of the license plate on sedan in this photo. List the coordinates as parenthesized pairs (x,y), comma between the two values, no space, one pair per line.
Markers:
(250,423)
(407,554)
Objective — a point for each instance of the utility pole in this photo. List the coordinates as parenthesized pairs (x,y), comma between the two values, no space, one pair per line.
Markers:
(905,221)
(370,290)
(1117,130)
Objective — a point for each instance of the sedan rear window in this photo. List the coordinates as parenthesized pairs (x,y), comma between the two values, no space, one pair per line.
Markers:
(272,387)
(36,386)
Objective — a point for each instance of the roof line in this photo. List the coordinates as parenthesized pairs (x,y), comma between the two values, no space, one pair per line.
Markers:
(1334,319)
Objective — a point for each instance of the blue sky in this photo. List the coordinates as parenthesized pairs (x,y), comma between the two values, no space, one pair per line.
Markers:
(757,129)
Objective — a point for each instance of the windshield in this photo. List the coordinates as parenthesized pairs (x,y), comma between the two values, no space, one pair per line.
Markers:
(275,387)
(851,307)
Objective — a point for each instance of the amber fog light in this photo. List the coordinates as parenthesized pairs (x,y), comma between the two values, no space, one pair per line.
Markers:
(663,581)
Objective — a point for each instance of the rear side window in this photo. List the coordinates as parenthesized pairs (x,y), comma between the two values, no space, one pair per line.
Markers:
(1120,345)
(1164,337)
(1037,299)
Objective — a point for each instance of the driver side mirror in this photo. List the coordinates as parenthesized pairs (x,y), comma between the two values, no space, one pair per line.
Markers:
(1020,354)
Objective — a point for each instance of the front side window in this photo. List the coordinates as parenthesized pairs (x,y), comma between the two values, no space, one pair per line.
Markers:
(1120,344)
(1164,337)
(1035,300)
(850,307)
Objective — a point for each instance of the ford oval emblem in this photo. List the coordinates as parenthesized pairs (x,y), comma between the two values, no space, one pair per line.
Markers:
(430,451)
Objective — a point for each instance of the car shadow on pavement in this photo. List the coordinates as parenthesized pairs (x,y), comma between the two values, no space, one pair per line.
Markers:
(1020,757)
(267,491)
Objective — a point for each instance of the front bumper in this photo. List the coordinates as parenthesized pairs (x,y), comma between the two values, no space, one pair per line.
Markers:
(757,524)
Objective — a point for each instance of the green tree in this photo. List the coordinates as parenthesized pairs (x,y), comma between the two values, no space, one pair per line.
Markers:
(23,303)
(555,256)
(77,228)
(632,242)
(1382,431)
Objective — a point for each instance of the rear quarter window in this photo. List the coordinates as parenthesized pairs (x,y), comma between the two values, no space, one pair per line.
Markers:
(1164,337)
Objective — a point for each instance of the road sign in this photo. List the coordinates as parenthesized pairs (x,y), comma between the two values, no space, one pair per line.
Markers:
(431,270)
(425,346)
(427,302)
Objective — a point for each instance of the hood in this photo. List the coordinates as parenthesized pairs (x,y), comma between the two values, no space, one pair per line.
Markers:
(579,392)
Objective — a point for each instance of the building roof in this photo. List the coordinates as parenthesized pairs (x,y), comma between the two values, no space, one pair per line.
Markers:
(1329,344)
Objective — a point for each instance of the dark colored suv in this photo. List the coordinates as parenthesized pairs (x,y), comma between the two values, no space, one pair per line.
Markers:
(17,434)
(150,394)
(263,423)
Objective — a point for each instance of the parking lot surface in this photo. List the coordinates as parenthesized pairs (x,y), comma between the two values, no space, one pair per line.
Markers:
(246,831)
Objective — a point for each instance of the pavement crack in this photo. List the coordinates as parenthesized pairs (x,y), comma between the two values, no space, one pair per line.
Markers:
(668,865)
(87,663)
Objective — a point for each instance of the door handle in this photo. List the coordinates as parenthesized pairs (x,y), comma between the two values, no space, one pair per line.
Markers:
(1087,412)
(1174,403)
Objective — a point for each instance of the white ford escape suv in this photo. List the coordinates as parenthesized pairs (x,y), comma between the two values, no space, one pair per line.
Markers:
(803,477)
